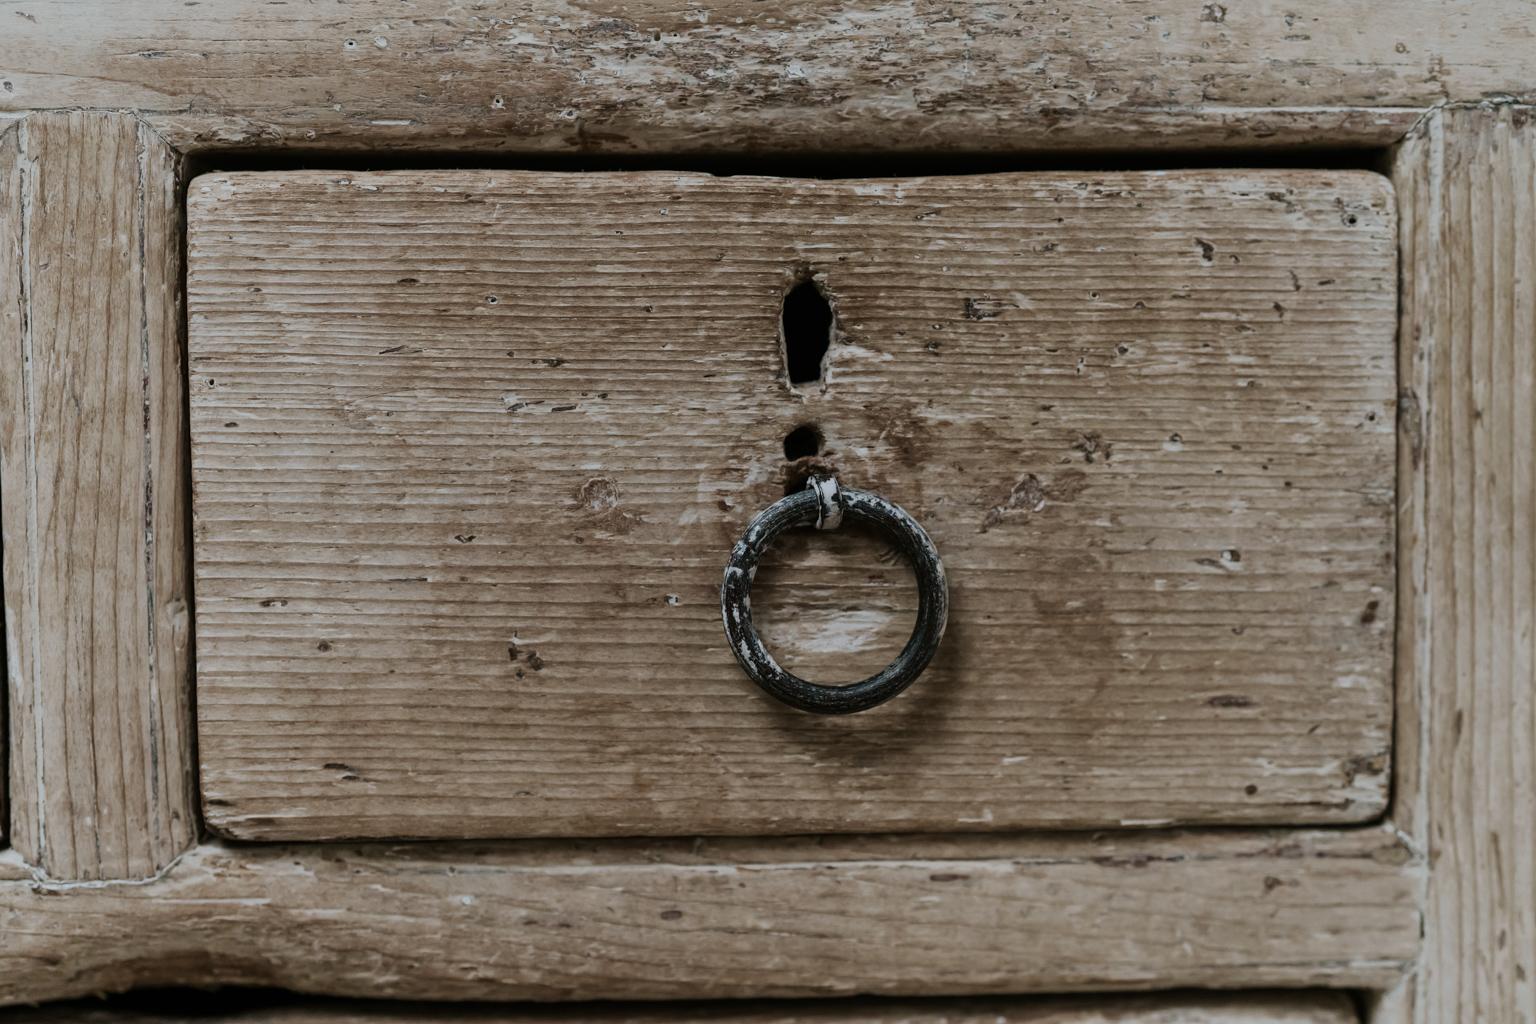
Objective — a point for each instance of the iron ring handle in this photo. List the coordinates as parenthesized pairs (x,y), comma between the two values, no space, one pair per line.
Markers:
(825,505)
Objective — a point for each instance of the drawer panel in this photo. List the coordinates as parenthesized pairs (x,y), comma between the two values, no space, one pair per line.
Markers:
(1194,1008)
(471,447)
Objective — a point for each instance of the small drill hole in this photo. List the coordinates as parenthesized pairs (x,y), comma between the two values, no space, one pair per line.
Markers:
(806,326)
(802,442)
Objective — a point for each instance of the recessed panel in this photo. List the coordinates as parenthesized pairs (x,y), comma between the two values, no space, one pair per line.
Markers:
(471,449)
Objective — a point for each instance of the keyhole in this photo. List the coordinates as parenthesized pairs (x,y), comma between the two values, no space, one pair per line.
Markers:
(806,326)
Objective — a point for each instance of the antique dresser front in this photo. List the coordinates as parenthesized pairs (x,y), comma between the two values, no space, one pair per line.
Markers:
(443,542)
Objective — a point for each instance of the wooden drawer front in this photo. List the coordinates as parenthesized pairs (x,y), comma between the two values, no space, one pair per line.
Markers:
(1194,1008)
(470,449)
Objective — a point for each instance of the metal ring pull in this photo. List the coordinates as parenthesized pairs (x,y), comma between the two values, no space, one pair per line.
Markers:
(825,505)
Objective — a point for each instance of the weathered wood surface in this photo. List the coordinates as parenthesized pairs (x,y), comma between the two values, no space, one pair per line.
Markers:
(13,868)
(92,461)
(1467,635)
(10,244)
(470,450)
(1192,1008)
(599,76)
(736,918)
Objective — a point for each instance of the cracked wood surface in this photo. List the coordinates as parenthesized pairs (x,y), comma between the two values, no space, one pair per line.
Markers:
(735,918)
(797,75)
(1467,634)
(1190,1008)
(93,500)
(470,449)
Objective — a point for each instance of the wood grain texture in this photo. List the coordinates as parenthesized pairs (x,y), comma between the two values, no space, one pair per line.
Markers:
(1467,634)
(92,461)
(648,920)
(470,450)
(1192,1008)
(581,76)
(10,243)
(13,868)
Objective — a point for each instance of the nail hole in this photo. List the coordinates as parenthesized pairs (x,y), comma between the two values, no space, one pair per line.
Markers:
(801,442)
(804,442)
(806,330)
